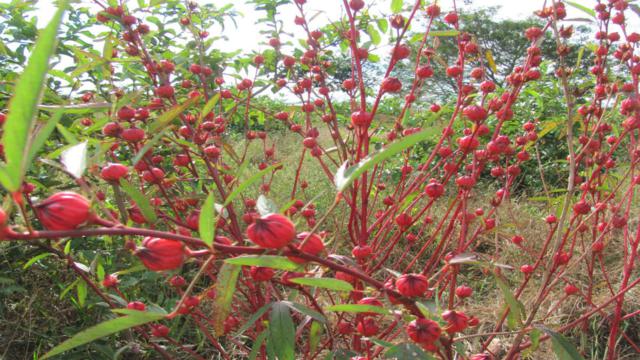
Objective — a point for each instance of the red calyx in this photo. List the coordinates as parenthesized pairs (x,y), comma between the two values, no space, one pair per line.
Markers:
(64,211)
(423,331)
(272,231)
(313,246)
(412,285)
(114,172)
(161,254)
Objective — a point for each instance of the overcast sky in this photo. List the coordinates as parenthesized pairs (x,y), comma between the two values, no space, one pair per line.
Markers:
(246,34)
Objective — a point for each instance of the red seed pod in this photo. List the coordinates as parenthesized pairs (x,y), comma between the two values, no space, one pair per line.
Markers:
(126,113)
(177,281)
(456,321)
(361,119)
(433,10)
(423,331)
(465,182)
(64,211)
(551,219)
(391,85)
(114,172)
(272,231)
(404,220)
(356,5)
(581,207)
(475,113)
(526,269)
(451,18)
(571,289)
(133,134)
(368,326)
(312,246)
(344,327)
(110,281)
(161,254)
(371,301)
(361,252)
(400,52)
(412,285)
(259,273)
(136,305)
(463,291)
(160,331)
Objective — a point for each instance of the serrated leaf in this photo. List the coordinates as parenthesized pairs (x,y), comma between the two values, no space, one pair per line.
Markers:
(282,331)
(23,104)
(225,288)
(357,308)
(325,283)
(74,159)
(207,220)
(104,329)
(269,261)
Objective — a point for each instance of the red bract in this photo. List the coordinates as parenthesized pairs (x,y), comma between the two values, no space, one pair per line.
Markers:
(412,285)
(361,119)
(261,273)
(64,211)
(368,327)
(272,231)
(423,331)
(361,252)
(161,254)
(475,113)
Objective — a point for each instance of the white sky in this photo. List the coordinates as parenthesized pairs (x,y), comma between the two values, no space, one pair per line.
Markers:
(246,36)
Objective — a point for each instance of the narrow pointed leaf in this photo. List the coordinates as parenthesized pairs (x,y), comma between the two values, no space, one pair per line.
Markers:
(282,332)
(207,220)
(325,283)
(225,288)
(270,261)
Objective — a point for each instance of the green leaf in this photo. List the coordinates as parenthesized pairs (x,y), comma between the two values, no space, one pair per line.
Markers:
(383,25)
(444,33)
(516,311)
(407,351)
(282,331)
(148,145)
(270,261)
(171,114)
(325,283)
(225,288)
(257,315)
(140,199)
(396,6)
(255,177)
(582,8)
(357,308)
(373,33)
(42,136)
(74,159)
(562,347)
(206,109)
(35,259)
(345,176)
(257,345)
(104,329)
(81,290)
(207,220)
(306,311)
(22,107)
(315,332)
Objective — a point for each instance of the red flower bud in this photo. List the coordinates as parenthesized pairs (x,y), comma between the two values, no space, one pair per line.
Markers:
(272,231)
(64,211)
(261,273)
(161,254)
(456,321)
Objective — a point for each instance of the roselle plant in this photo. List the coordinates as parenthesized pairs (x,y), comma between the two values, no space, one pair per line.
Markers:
(179,162)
